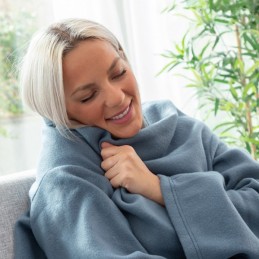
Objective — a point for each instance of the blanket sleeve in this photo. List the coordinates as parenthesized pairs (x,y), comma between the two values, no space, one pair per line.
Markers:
(72,214)
(216,213)
(73,218)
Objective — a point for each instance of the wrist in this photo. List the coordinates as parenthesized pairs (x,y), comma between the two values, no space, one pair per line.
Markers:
(154,190)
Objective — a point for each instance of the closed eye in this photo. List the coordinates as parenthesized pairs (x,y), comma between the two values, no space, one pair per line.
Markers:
(88,98)
(120,74)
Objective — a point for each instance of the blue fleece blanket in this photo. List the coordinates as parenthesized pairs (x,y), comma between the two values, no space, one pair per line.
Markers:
(211,195)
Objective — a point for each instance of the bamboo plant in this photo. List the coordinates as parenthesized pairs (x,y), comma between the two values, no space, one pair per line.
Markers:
(221,51)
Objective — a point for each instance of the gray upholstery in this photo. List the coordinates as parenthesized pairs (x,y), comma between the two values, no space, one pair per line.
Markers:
(14,200)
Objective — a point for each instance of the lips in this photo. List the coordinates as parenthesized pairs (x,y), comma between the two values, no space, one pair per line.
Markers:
(121,115)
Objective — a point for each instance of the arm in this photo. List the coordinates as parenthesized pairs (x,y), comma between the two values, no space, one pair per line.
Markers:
(72,214)
(73,218)
(215,213)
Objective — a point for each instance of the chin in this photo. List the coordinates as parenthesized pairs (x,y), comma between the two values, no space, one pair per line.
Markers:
(128,134)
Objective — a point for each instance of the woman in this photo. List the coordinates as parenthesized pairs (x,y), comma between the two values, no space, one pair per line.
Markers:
(117,179)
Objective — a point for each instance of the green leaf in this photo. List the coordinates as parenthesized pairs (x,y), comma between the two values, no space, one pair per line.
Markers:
(179,49)
(250,140)
(216,106)
(249,86)
(196,75)
(224,124)
(250,41)
(221,20)
(234,92)
(203,50)
(253,68)
(169,8)
(250,54)
(168,67)
(252,31)
(221,81)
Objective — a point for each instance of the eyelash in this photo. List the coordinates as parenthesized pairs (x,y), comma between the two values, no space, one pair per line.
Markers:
(88,98)
(115,77)
(121,74)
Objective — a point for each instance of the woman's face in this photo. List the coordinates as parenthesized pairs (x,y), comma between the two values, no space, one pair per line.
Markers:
(101,90)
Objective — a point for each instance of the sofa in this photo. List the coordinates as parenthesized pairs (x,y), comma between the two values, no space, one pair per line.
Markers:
(14,201)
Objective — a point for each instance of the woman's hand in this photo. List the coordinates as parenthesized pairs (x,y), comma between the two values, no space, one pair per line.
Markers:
(124,168)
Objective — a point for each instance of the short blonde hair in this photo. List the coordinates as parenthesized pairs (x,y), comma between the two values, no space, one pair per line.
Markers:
(41,74)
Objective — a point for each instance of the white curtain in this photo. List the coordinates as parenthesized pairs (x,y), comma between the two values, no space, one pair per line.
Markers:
(145,32)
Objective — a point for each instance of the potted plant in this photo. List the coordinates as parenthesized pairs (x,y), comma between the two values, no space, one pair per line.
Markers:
(220,51)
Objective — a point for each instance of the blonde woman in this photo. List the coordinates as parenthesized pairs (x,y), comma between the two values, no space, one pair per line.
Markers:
(121,179)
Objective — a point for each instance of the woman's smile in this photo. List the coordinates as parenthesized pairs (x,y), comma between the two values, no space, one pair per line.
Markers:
(101,90)
(122,117)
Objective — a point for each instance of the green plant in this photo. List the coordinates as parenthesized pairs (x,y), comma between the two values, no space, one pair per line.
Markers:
(15,31)
(221,52)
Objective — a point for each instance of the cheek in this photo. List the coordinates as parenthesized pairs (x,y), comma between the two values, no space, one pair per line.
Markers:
(88,115)
(70,110)
(74,111)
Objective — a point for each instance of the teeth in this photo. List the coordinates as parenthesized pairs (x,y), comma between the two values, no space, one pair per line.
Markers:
(120,115)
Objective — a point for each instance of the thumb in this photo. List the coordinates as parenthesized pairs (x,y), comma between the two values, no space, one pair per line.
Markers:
(106,144)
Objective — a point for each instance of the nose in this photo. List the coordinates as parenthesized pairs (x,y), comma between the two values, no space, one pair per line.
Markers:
(114,95)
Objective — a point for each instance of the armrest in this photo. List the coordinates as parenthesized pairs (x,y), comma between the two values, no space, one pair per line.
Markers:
(14,201)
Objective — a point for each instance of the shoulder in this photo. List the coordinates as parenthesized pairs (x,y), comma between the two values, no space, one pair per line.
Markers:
(160,106)
(184,125)
(66,178)
(58,151)
(154,111)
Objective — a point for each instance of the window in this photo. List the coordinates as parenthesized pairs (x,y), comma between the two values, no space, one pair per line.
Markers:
(144,40)
(20,130)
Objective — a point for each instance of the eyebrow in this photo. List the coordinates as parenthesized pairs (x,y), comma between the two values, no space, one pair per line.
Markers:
(84,87)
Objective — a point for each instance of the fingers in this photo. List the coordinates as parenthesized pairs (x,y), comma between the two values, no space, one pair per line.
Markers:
(119,164)
(117,182)
(109,162)
(106,144)
(124,168)
(108,150)
(116,178)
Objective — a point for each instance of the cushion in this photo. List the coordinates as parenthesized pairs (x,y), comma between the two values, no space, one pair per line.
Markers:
(14,201)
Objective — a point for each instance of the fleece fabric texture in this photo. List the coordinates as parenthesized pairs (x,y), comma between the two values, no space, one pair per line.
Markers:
(211,195)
